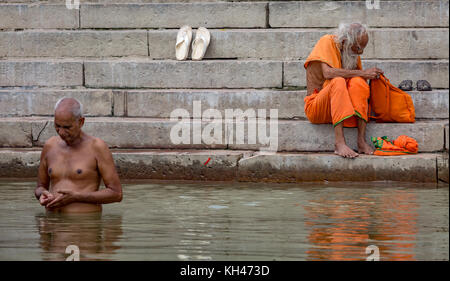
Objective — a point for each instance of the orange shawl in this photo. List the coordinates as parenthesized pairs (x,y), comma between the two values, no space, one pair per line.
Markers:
(327,51)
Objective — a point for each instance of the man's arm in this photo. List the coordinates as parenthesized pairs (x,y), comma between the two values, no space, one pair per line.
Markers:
(330,72)
(41,192)
(113,191)
(43,178)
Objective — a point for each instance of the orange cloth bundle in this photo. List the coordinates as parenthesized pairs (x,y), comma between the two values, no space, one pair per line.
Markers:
(400,146)
(408,143)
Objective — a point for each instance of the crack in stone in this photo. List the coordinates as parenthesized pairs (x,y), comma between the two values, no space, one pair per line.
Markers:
(36,140)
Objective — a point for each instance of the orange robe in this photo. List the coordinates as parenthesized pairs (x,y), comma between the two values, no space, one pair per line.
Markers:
(339,100)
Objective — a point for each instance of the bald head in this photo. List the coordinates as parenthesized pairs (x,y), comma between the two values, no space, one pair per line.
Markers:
(69,106)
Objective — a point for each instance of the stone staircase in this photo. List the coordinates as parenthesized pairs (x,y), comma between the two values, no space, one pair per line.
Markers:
(118,58)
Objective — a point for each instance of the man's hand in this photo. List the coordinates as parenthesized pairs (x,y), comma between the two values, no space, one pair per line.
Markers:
(64,197)
(45,198)
(372,73)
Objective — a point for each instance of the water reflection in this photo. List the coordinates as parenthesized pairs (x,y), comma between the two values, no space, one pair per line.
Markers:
(341,229)
(236,221)
(94,234)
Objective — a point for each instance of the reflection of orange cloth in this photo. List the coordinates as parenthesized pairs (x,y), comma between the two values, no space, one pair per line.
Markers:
(400,146)
(340,100)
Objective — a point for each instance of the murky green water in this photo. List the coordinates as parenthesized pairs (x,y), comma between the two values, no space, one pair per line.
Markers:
(192,221)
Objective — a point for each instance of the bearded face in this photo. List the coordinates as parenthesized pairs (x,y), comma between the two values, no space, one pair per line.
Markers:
(349,57)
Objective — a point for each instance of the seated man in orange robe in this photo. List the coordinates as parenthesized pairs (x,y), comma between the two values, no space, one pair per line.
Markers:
(337,86)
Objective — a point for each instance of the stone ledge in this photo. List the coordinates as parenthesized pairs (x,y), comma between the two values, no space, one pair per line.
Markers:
(15,16)
(145,73)
(328,13)
(226,165)
(173,15)
(153,133)
(435,71)
(160,103)
(294,44)
(318,167)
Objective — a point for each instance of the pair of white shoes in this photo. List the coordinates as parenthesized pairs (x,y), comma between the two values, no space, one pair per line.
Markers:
(199,45)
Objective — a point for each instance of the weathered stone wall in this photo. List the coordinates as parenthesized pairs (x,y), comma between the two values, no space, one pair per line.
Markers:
(118,58)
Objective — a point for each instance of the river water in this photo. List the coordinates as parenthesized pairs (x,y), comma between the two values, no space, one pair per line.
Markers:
(235,221)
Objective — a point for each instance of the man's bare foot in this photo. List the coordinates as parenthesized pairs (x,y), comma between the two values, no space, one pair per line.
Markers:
(343,150)
(365,148)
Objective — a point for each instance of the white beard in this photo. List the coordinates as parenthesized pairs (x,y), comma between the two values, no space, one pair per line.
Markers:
(349,59)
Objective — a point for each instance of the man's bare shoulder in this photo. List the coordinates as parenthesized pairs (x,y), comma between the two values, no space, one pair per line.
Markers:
(51,142)
(98,144)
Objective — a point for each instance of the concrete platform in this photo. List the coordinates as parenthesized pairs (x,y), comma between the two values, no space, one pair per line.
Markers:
(225,165)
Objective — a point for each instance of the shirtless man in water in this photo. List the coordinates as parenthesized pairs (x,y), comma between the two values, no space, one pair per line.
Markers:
(73,164)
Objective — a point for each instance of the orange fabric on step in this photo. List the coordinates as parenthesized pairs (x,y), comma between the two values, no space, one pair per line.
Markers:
(342,100)
(407,143)
(401,146)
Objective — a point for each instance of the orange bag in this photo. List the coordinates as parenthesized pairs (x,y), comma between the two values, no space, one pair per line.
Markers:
(401,146)
(390,104)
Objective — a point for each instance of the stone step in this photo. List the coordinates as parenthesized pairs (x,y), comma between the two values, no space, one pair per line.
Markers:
(41,72)
(226,165)
(293,44)
(134,15)
(284,44)
(207,74)
(212,14)
(160,103)
(434,71)
(329,13)
(284,135)
(174,15)
(73,43)
(38,15)
(144,73)
(240,73)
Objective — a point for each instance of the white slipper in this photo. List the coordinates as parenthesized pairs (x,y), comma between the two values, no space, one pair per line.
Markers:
(184,38)
(200,43)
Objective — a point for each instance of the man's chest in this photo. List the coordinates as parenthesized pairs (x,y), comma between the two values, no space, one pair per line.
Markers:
(71,164)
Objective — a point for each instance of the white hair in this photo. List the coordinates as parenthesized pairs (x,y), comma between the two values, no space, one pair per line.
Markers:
(350,33)
(76,108)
